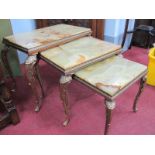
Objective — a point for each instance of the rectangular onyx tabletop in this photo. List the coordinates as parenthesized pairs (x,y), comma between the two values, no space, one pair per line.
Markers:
(111,75)
(79,53)
(42,39)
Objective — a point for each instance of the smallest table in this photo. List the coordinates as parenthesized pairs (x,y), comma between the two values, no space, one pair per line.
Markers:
(112,77)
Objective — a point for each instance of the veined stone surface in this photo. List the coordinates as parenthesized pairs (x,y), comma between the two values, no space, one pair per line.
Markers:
(111,75)
(79,51)
(46,35)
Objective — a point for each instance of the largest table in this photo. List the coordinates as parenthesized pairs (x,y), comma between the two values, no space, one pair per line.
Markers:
(37,41)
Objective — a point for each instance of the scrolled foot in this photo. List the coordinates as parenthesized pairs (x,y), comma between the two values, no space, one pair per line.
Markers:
(37,109)
(135,109)
(38,105)
(66,122)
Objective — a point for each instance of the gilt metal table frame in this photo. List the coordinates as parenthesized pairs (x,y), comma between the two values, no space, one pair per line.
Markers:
(110,104)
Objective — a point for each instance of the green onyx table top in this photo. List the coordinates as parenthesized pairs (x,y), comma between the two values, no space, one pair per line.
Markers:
(52,35)
(79,52)
(111,75)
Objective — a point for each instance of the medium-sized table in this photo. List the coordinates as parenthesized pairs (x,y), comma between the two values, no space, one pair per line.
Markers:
(73,56)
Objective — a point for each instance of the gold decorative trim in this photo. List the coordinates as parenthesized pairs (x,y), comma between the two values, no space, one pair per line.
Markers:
(110,104)
(65,79)
(31,59)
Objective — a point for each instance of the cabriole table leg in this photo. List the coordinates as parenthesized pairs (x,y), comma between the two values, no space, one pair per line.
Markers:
(110,105)
(64,81)
(4,56)
(34,79)
(141,88)
(39,78)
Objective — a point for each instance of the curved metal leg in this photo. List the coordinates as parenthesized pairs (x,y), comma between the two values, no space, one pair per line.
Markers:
(39,78)
(64,81)
(4,57)
(141,88)
(110,105)
(33,79)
